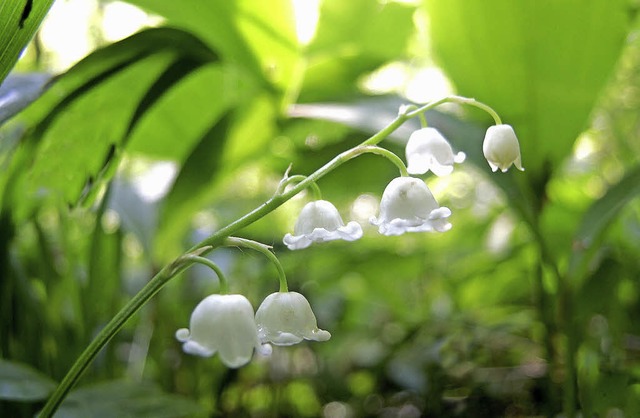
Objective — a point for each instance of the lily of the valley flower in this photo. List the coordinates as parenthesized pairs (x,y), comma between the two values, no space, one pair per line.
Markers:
(320,221)
(286,318)
(501,148)
(407,205)
(223,324)
(428,150)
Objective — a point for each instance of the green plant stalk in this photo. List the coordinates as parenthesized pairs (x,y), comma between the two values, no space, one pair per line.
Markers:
(565,308)
(168,272)
(264,249)
(566,325)
(224,283)
(315,190)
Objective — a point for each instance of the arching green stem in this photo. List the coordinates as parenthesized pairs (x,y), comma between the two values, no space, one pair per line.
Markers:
(459,100)
(264,249)
(317,194)
(423,120)
(372,149)
(224,283)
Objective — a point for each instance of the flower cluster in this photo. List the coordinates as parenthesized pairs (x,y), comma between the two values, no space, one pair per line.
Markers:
(407,204)
(227,325)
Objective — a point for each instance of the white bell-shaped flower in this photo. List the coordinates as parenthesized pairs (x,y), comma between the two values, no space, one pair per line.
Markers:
(286,318)
(501,148)
(407,205)
(428,150)
(320,221)
(223,324)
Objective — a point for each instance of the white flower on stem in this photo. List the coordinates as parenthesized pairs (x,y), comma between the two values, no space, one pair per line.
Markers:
(320,221)
(286,318)
(501,148)
(428,150)
(407,205)
(223,324)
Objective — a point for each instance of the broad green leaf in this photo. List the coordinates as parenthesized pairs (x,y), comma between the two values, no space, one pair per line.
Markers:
(353,38)
(71,151)
(540,63)
(240,137)
(191,189)
(269,30)
(104,63)
(78,145)
(19,21)
(19,382)
(258,35)
(596,220)
(120,399)
(171,128)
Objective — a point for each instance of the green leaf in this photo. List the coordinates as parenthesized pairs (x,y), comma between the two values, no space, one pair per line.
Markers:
(240,137)
(110,60)
(77,145)
(19,20)
(120,399)
(353,38)
(19,382)
(596,220)
(171,128)
(260,36)
(540,63)
(71,152)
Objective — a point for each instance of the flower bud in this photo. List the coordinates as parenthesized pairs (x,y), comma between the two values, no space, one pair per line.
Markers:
(501,148)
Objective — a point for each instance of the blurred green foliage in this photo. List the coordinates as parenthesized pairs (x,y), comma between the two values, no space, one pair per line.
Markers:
(529,306)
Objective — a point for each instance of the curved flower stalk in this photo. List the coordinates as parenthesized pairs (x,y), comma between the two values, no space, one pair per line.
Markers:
(407,205)
(501,148)
(223,324)
(428,150)
(286,318)
(320,221)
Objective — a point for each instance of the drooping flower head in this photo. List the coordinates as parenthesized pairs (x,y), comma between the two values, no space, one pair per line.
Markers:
(501,148)
(407,205)
(286,318)
(320,221)
(428,150)
(223,324)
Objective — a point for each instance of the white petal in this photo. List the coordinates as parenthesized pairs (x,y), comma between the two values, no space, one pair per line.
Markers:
(318,335)
(441,170)
(296,242)
(182,334)
(351,232)
(193,348)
